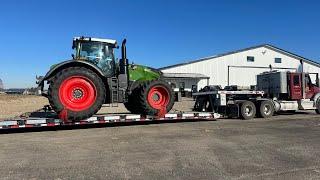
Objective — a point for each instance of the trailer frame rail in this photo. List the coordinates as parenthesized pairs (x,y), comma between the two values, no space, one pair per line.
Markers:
(32,122)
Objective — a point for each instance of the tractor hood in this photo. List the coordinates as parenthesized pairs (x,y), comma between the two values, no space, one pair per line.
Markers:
(143,73)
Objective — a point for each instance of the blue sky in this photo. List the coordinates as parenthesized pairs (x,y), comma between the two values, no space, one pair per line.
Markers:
(37,33)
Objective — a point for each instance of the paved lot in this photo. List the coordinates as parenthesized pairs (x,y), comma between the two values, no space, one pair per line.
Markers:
(284,147)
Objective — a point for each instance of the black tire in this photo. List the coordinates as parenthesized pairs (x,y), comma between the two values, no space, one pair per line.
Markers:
(201,104)
(87,110)
(145,106)
(133,104)
(291,111)
(318,106)
(247,110)
(266,109)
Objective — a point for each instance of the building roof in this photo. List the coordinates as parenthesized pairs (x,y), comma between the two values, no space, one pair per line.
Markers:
(185,75)
(246,49)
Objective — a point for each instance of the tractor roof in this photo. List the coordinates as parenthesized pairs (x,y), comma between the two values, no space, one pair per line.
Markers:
(110,41)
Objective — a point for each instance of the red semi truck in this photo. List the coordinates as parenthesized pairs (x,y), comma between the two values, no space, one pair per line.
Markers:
(275,91)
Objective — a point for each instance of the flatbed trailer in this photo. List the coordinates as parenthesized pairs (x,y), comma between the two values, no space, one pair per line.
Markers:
(45,118)
(275,91)
(240,104)
(247,104)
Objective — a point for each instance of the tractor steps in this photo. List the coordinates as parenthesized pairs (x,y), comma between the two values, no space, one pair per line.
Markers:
(114,91)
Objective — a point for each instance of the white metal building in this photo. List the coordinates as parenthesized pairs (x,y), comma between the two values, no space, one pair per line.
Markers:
(241,67)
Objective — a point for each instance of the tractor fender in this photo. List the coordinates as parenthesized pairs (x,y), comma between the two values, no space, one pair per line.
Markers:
(71,63)
(133,85)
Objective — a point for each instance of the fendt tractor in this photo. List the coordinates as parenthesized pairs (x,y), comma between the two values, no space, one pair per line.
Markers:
(79,87)
(275,91)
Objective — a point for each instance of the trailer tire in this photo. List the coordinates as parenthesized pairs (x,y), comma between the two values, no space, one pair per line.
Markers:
(266,109)
(247,110)
(153,95)
(78,92)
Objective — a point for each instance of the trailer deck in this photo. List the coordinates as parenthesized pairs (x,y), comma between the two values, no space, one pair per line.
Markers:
(44,118)
(248,92)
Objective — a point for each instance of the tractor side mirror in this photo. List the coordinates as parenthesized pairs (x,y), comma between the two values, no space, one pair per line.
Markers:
(73,44)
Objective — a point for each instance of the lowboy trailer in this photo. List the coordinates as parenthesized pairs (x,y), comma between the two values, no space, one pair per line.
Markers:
(46,117)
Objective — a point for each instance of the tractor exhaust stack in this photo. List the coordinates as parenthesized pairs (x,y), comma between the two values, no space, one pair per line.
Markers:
(124,60)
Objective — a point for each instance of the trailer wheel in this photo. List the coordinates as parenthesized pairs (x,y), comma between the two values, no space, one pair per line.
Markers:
(266,109)
(247,110)
(76,91)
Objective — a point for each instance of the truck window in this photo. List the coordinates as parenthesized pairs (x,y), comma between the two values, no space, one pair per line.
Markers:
(296,80)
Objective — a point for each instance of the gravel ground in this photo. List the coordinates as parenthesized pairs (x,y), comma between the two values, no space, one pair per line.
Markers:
(283,147)
(15,105)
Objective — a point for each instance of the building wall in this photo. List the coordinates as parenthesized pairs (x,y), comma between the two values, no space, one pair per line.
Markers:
(217,68)
(188,82)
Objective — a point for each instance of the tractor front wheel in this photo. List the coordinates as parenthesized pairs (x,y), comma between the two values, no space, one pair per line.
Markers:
(155,96)
(77,92)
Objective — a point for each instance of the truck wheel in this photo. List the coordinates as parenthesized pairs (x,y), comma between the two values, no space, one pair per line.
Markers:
(318,106)
(153,96)
(77,91)
(266,109)
(247,110)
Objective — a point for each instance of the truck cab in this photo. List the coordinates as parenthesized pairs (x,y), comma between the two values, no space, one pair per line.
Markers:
(301,86)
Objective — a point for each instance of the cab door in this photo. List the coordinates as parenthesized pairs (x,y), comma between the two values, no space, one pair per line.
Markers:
(295,86)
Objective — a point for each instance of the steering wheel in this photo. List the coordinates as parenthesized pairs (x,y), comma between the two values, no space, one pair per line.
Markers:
(94,59)
(109,64)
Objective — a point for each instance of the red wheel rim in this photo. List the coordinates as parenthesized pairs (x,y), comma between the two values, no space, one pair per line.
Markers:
(77,93)
(158,97)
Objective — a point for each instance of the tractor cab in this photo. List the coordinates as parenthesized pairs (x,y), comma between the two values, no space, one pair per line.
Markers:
(99,52)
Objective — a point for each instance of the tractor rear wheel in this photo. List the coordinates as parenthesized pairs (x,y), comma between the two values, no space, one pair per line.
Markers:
(155,96)
(77,92)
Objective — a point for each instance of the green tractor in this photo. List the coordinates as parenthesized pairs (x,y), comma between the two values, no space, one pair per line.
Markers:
(79,87)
